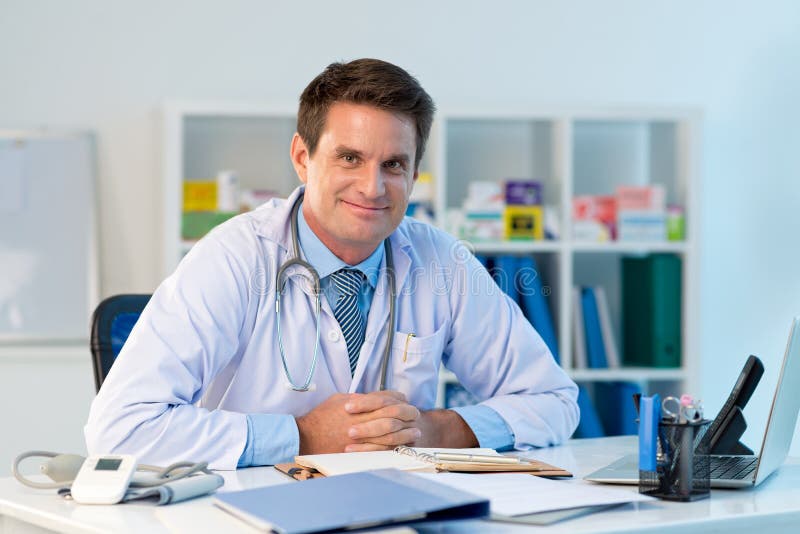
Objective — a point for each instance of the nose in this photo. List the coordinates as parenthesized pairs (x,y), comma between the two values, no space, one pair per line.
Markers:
(372,183)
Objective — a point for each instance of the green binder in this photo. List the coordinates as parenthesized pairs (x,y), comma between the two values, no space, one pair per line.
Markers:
(651,310)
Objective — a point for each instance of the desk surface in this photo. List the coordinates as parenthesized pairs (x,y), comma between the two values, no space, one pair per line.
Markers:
(775,505)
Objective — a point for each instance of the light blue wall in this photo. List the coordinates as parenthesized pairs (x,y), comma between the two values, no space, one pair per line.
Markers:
(107,66)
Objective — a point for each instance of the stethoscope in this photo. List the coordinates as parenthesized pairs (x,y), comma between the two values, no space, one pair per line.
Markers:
(280,283)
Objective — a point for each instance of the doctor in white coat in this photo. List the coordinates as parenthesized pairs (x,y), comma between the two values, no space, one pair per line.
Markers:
(205,375)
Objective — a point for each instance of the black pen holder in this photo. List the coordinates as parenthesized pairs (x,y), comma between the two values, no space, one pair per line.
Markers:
(682,463)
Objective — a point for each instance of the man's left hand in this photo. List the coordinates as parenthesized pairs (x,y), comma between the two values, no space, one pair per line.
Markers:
(433,428)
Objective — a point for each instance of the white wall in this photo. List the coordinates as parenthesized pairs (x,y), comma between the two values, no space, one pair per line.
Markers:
(108,66)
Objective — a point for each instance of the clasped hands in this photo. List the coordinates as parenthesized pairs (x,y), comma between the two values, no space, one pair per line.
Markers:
(356,422)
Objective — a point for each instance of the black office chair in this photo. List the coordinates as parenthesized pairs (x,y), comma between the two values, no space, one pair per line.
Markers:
(112,322)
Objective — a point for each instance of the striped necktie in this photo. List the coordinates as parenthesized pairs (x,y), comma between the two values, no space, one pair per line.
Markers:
(348,284)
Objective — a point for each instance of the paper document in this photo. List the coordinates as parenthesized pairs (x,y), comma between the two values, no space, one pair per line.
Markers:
(354,462)
(517,494)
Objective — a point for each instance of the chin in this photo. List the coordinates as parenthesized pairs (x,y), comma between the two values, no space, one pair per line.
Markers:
(364,238)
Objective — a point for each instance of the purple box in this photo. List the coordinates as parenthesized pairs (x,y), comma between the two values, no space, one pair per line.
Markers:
(523,193)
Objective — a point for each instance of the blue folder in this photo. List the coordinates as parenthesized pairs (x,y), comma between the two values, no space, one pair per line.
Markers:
(614,403)
(504,273)
(589,425)
(534,303)
(485,260)
(595,350)
(350,501)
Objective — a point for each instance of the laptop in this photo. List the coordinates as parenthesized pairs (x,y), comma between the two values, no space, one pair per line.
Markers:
(741,471)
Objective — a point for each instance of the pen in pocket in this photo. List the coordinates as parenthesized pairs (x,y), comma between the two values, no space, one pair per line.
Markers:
(405,350)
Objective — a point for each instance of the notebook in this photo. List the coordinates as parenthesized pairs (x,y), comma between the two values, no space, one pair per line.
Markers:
(350,501)
(413,459)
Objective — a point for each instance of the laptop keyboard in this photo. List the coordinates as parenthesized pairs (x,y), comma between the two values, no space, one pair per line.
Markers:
(732,467)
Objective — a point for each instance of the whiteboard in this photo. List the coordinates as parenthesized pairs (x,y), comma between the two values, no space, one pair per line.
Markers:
(48,259)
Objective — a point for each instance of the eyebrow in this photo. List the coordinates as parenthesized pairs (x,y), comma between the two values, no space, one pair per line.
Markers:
(341,150)
(404,158)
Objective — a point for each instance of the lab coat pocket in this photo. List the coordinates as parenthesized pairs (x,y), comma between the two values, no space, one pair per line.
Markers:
(415,365)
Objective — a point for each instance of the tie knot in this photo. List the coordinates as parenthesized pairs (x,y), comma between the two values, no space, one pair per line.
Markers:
(348,281)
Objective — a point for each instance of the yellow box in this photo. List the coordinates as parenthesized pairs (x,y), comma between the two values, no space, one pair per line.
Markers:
(199,195)
(524,222)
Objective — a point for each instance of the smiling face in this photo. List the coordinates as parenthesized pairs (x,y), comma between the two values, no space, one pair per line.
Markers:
(359,178)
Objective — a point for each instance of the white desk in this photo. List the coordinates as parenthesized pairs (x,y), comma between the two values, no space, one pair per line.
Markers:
(773,507)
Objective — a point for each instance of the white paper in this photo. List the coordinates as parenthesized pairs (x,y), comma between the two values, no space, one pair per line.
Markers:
(354,462)
(518,493)
(606,328)
(11,182)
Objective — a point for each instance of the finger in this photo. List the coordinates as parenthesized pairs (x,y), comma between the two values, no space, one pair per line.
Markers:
(403,412)
(375,428)
(406,436)
(369,402)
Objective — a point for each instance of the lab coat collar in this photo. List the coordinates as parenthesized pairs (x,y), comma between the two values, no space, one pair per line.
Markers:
(275,225)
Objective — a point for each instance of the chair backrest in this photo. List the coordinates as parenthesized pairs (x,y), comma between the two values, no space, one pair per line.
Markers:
(112,322)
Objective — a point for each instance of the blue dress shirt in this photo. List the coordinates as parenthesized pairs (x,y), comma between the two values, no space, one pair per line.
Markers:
(489,428)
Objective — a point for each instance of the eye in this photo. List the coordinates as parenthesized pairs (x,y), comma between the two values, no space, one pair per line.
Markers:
(393,165)
(350,159)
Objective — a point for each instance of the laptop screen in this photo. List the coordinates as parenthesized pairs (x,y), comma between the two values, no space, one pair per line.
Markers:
(785,406)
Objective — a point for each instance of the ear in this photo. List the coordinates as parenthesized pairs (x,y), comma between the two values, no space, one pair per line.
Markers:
(299,155)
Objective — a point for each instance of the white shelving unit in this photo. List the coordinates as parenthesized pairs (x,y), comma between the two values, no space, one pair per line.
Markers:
(572,151)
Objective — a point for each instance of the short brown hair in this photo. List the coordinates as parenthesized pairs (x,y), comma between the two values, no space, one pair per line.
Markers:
(364,81)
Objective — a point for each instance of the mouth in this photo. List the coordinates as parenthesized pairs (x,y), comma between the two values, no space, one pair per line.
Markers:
(365,208)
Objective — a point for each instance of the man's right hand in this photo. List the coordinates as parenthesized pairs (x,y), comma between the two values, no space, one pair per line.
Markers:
(384,418)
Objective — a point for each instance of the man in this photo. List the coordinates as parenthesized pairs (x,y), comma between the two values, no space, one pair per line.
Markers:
(212,373)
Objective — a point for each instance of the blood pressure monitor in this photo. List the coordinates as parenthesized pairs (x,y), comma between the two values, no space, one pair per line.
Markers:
(103,479)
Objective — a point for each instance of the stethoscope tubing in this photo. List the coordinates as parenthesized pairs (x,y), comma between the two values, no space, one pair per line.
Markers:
(280,283)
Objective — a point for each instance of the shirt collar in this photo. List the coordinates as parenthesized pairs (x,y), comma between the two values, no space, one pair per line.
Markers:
(325,261)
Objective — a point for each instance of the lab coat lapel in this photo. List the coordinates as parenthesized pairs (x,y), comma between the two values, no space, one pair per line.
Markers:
(276,227)
(299,311)
(370,359)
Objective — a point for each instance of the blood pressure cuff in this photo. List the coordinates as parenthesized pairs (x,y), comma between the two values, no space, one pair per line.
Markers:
(177,491)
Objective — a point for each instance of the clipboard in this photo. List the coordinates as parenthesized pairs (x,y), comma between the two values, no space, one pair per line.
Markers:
(297,471)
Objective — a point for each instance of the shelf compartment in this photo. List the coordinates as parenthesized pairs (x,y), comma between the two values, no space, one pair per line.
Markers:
(498,149)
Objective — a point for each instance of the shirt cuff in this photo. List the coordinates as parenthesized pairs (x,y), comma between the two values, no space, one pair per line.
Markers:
(271,439)
(488,426)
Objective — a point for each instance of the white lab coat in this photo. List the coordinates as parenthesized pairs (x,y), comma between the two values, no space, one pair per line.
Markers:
(205,351)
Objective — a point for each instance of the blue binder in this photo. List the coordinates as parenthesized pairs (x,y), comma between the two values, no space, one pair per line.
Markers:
(535,305)
(614,402)
(504,273)
(350,501)
(484,260)
(589,425)
(595,350)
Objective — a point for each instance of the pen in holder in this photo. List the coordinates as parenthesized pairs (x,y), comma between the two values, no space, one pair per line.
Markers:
(682,463)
